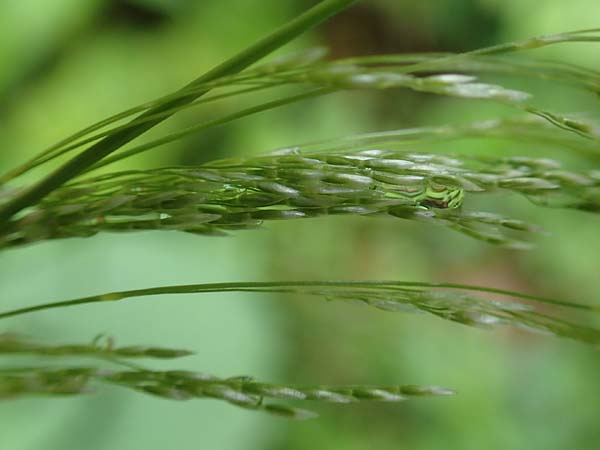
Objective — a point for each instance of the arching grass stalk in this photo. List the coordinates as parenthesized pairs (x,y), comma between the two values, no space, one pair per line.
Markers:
(446,300)
(529,129)
(535,68)
(79,139)
(455,85)
(209,124)
(105,147)
(581,36)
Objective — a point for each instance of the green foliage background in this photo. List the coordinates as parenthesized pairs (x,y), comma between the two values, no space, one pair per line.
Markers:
(67,63)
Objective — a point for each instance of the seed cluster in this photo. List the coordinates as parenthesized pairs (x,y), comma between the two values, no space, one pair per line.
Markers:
(241,194)
(185,385)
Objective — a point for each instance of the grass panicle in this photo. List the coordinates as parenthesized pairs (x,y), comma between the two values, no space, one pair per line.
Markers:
(453,302)
(185,385)
(99,347)
(386,174)
(242,193)
(453,74)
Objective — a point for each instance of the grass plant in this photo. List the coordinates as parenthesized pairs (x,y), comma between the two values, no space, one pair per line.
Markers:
(382,174)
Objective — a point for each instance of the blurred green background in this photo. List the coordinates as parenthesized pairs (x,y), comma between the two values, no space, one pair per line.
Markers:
(67,63)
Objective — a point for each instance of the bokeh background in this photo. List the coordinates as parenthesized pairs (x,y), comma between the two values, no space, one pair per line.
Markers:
(67,63)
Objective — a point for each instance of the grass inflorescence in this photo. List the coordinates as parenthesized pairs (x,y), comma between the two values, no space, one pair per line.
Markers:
(384,174)
(99,347)
(181,385)
(239,194)
(463,304)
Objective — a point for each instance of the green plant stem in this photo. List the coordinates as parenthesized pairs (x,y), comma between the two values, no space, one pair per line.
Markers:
(211,123)
(109,144)
(284,286)
(74,142)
